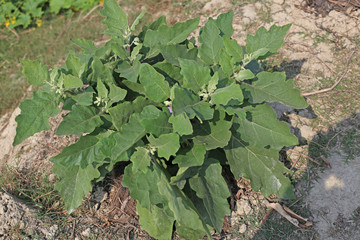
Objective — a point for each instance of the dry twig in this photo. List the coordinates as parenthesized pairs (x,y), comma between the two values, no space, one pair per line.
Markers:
(91,11)
(336,83)
(311,159)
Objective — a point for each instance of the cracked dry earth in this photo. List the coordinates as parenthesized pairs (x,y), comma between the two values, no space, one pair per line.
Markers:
(316,53)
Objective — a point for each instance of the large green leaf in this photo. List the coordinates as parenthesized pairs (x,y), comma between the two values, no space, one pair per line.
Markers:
(212,189)
(71,82)
(34,115)
(224,23)
(156,222)
(166,35)
(169,71)
(74,184)
(115,19)
(35,72)
(84,97)
(211,43)
(141,159)
(223,95)
(155,121)
(233,48)
(213,134)
(81,119)
(260,165)
(166,145)
(263,129)
(120,114)
(86,151)
(172,53)
(129,71)
(273,87)
(181,124)
(190,157)
(156,88)
(272,39)
(183,209)
(186,101)
(87,46)
(74,65)
(143,186)
(195,76)
(126,137)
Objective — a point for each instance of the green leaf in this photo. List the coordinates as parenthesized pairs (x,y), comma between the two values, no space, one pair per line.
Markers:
(87,46)
(82,119)
(190,157)
(127,136)
(224,22)
(101,71)
(128,71)
(184,210)
(120,114)
(156,222)
(74,184)
(195,76)
(172,53)
(166,144)
(166,35)
(213,134)
(260,165)
(212,189)
(71,82)
(213,83)
(101,88)
(34,115)
(141,159)
(136,21)
(226,63)
(223,95)
(211,43)
(273,87)
(233,48)
(169,71)
(272,39)
(84,152)
(116,94)
(143,186)
(84,98)
(245,74)
(263,129)
(156,88)
(74,65)
(186,101)
(35,72)
(115,19)
(181,124)
(155,121)
(133,86)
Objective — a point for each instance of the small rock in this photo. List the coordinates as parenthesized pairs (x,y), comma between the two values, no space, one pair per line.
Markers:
(86,232)
(243,207)
(242,228)
(249,12)
(52,177)
(307,132)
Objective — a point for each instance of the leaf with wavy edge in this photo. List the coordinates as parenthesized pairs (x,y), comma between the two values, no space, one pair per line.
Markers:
(263,129)
(74,184)
(81,119)
(273,87)
(260,165)
(35,114)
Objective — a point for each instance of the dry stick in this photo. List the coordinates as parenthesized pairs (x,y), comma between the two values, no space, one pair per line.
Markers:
(336,83)
(16,34)
(311,159)
(91,11)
